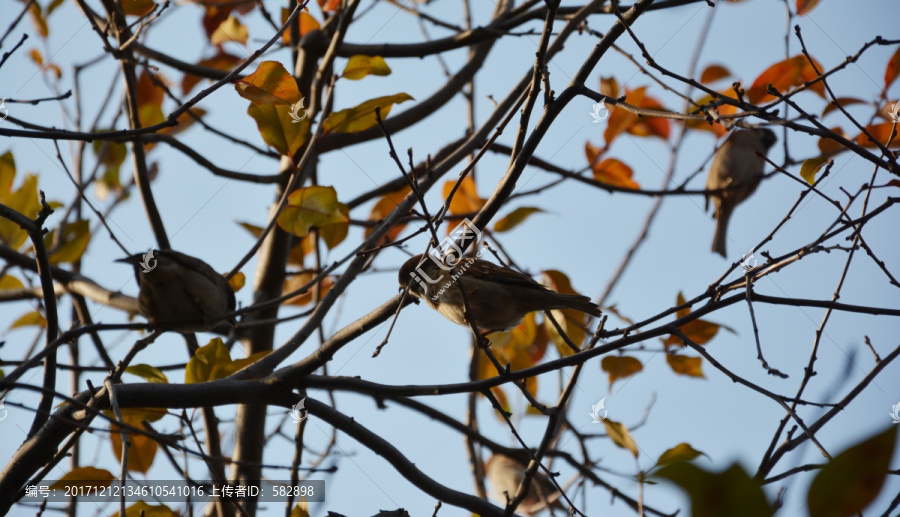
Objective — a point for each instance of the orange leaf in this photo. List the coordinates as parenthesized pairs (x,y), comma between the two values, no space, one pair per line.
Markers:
(306,21)
(684,365)
(614,172)
(892,70)
(385,206)
(609,87)
(883,132)
(713,73)
(783,76)
(213,17)
(35,56)
(572,322)
(465,199)
(619,367)
(829,146)
(329,6)
(269,84)
(299,280)
(620,120)
(650,126)
(841,101)
(805,6)
(221,61)
(723,109)
(699,331)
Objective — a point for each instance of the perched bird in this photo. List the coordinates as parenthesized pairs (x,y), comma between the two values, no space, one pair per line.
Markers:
(497,297)
(180,292)
(506,474)
(737,169)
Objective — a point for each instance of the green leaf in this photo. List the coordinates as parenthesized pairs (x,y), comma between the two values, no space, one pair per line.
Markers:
(853,479)
(269,84)
(362,117)
(148,373)
(713,494)
(361,66)
(810,167)
(681,452)
(620,436)
(515,218)
(311,206)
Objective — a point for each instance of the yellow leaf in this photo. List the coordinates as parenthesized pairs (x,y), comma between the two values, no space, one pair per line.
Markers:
(810,167)
(681,452)
(76,237)
(308,207)
(9,283)
(684,365)
(230,30)
(362,117)
(620,366)
(361,66)
(40,22)
(34,318)
(142,509)
(301,509)
(278,129)
(620,436)
(572,322)
(137,7)
(210,362)
(141,453)
(84,477)
(148,373)
(237,281)
(269,84)
(24,200)
(247,361)
(514,218)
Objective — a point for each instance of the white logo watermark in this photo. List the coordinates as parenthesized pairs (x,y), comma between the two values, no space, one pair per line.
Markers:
(595,412)
(895,413)
(3,411)
(895,112)
(295,108)
(596,112)
(148,263)
(748,261)
(298,412)
(4,112)
(448,256)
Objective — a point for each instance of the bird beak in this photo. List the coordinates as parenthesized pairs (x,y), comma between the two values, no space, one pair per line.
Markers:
(126,260)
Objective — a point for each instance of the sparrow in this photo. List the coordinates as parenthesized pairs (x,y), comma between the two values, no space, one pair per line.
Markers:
(737,168)
(506,474)
(179,292)
(497,297)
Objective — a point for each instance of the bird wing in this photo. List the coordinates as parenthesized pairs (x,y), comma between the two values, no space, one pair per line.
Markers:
(504,275)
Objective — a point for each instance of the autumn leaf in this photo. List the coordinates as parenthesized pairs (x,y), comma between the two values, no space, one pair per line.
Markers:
(521,347)
(465,199)
(23,200)
(713,73)
(515,218)
(811,167)
(699,331)
(142,449)
(620,367)
(362,117)
(213,361)
(681,452)
(614,172)
(383,207)
(148,373)
(269,84)
(620,436)
(731,492)
(309,207)
(305,20)
(360,66)
(783,76)
(892,69)
(230,30)
(296,281)
(572,322)
(30,319)
(721,110)
(853,478)
(9,283)
(841,101)
(137,7)
(84,478)
(73,244)
(684,365)
(830,146)
(882,132)
(222,61)
(805,6)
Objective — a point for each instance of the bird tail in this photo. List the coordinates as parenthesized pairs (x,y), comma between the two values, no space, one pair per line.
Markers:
(579,303)
(722,217)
